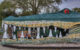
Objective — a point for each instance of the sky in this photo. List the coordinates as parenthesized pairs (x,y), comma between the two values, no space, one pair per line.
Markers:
(70,4)
(67,4)
(1,1)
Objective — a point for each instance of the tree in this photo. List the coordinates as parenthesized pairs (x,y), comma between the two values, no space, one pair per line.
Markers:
(76,9)
(36,5)
(6,9)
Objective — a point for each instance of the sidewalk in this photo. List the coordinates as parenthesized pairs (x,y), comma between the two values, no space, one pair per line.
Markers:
(41,47)
(65,46)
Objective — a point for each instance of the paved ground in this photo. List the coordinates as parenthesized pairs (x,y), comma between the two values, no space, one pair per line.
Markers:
(58,45)
(40,48)
(6,48)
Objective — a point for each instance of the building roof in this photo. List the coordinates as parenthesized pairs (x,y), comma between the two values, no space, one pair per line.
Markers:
(58,16)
